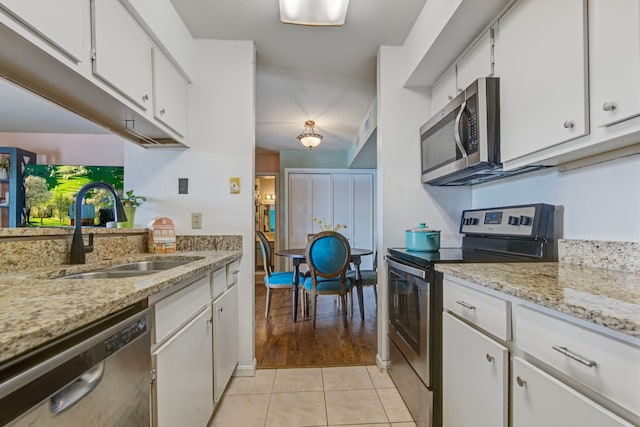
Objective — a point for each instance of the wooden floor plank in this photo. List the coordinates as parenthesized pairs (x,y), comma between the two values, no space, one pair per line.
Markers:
(281,343)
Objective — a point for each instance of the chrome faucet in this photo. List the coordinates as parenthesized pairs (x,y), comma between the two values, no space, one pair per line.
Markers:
(78,249)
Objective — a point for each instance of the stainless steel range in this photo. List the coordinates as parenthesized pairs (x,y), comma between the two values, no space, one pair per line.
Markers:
(505,234)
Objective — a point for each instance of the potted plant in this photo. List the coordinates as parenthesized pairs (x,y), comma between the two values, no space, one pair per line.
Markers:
(130,202)
(5,163)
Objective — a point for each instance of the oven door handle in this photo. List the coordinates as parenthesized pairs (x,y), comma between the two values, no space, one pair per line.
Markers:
(406,269)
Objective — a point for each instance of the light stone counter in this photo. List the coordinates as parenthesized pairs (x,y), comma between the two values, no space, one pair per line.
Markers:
(610,298)
(35,307)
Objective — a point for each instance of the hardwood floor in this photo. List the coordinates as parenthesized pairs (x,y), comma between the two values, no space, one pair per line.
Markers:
(281,343)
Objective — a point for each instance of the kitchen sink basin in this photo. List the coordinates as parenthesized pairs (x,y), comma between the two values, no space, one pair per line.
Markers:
(102,274)
(132,269)
(143,266)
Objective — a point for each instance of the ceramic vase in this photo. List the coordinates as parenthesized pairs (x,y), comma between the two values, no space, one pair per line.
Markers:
(130,211)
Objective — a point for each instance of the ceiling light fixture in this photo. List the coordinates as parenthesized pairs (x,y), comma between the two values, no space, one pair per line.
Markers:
(309,137)
(314,12)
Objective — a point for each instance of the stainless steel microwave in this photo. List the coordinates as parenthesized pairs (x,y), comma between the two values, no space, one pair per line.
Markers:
(460,145)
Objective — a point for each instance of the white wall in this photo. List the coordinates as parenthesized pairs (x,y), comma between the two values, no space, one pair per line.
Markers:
(69,149)
(403,202)
(601,202)
(222,145)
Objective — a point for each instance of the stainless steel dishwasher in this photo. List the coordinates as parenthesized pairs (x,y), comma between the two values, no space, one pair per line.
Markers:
(99,375)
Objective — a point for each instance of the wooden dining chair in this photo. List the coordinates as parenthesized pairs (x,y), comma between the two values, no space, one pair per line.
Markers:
(273,279)
(328,255)
(367,277)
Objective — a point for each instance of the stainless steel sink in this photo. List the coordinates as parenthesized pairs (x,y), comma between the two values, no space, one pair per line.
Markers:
(132,269)
(157,265)
(102,274)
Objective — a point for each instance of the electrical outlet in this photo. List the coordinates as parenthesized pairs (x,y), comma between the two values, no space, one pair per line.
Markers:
(196,220)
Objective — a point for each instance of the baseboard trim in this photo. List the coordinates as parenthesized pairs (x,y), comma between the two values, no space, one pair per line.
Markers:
(383,365)
(246,370)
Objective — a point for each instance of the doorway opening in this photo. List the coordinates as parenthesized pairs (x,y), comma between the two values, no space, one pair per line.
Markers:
(266,213)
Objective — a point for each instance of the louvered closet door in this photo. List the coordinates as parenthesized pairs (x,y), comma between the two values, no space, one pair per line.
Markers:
(335,198)
(309,197)
(362,230)
(343,205)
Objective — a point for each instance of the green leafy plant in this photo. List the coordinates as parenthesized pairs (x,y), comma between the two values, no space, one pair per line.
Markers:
(5,162)
(130,199)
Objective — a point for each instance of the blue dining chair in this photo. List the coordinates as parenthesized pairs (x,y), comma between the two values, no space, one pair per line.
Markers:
(273,279)
(328,255)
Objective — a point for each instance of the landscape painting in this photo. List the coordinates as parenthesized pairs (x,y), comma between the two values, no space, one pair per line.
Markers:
(51,190)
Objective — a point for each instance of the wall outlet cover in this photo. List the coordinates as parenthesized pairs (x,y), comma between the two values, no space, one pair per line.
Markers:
(196,220)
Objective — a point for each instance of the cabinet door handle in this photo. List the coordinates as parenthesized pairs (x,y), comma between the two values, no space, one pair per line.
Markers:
(574,356)
(162,112)
(520,381)
(465,305)
(490,358)
(569,124)
(609,106)
(145,97)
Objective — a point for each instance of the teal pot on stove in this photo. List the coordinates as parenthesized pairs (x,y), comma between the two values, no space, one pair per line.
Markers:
(422,239)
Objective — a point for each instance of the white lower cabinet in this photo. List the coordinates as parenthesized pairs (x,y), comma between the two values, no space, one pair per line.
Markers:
(475,377)
(225,339)
(183,387)
(582,377)
(540,400)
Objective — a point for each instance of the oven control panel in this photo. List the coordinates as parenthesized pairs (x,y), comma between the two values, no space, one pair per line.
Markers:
(523,220)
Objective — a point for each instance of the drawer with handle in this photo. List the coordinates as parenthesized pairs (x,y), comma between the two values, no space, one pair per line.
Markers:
(173,311)
(486,311)
(603,363)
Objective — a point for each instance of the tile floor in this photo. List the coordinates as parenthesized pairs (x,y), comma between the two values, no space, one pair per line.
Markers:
(340,396)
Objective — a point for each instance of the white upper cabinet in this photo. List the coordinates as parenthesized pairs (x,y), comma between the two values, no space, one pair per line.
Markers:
(444,90)
(123,52)
(59,22)
(614,60)
(170,94)
(541,55)
(475,63)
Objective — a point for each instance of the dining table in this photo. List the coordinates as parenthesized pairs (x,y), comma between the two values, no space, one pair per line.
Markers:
(298,256)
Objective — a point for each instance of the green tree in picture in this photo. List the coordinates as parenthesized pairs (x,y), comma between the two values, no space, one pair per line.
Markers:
(37,193)
(65,181)
(61,205)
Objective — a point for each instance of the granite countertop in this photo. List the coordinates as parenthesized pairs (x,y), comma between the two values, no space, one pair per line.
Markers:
(36,306)
(610,298)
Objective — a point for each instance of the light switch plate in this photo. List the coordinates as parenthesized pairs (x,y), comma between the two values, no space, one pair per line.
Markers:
(196,220)
(183,185)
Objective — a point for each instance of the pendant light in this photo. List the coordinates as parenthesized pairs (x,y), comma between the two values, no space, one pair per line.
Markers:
(309,137)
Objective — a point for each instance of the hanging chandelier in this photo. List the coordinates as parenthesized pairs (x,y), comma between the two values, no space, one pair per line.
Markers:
(309,137)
